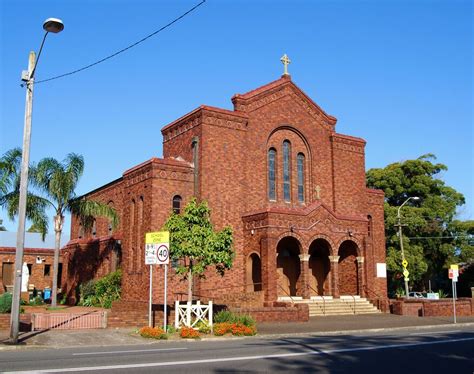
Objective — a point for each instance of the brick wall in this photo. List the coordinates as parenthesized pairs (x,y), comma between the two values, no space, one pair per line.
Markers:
(433,308)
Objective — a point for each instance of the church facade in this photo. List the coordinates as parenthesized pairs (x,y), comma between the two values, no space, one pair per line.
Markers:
(275,170)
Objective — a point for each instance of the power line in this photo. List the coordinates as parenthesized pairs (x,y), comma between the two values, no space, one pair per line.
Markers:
(442,237)
(126,48)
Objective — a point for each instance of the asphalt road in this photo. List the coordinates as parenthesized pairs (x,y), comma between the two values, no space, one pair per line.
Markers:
(446,350)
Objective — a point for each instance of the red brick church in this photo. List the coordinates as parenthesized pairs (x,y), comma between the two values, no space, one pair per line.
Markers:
(275,170)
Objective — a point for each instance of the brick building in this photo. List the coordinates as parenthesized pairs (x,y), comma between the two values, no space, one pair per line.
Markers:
(274,169)
(38,255)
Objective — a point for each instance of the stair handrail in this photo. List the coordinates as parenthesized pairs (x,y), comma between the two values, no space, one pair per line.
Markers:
(377,296)
(292,301)
(354,305)
(324,300)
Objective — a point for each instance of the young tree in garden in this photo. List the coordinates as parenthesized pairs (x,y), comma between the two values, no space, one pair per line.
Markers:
(432,238)
(195,244)
(57,182)
(10,164)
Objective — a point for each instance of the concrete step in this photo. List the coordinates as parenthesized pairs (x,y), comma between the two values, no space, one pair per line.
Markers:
(345,305)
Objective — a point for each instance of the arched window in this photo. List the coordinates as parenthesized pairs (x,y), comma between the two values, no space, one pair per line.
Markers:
(177,204)
(94,228)
(286,171)
(109,223)
(271,174)
(300,167)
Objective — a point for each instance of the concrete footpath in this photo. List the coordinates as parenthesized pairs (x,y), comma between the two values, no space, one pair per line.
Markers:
(316,326)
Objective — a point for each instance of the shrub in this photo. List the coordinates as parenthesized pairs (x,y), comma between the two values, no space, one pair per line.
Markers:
(229,317)
(203,327)
(247,320)
(189,333)
(171,329)
(6,303)
(152,333)
(37,300)
(101,292)
(224,316)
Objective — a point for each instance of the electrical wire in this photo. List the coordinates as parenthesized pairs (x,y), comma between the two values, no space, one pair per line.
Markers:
(124,49)
(441,237)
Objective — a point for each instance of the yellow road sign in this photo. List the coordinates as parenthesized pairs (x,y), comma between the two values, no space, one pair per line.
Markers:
(405,263)
(157,237)
(406,273)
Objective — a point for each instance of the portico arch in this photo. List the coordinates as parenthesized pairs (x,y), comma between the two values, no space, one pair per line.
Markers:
(288,266)
(348,268)
(320,267)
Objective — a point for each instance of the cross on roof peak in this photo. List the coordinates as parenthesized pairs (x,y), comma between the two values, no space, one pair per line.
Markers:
(285,61)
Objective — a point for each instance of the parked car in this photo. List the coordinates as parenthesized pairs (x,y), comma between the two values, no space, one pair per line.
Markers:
(417,295)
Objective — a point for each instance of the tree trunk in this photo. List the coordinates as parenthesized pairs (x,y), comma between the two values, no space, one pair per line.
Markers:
(190,285)
(58,227)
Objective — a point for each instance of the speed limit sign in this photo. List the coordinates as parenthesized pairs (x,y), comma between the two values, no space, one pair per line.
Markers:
(157,248)
(163,254)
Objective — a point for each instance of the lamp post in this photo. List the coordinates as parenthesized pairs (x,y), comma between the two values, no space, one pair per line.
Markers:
(399,224)
(53,25)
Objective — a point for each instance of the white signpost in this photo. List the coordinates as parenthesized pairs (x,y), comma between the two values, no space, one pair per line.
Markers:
(157,252)
(453,274)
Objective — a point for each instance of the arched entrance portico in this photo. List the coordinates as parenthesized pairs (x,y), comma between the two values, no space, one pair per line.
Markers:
(348,269)
(288,266)
(319,268)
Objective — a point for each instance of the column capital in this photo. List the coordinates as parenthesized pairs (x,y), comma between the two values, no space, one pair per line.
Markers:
(304,257)
(334,258)
(360,259)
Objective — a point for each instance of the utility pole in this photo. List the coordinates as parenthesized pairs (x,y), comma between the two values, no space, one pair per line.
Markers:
(20,235)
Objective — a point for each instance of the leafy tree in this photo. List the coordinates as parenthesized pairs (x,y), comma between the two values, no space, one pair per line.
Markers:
(10,165)
(2,228)
(432,238)
(57,182)
(195,245)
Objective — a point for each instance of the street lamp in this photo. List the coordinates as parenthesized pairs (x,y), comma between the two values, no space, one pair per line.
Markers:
(53,25)
(399,224)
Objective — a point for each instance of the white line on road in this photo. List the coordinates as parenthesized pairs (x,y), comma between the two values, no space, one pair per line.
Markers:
(133,351)
(241,358)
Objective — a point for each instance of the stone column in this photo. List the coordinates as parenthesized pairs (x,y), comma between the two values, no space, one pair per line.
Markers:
(360,275)
(334,260)
(269,269)
(304,276)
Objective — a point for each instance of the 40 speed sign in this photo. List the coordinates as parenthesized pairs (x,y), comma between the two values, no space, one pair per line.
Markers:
(157,248)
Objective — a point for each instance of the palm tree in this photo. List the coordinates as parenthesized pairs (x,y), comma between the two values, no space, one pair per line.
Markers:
(57,181)
(10,192)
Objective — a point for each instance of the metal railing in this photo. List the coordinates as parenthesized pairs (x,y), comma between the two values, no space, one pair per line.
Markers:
(353,304)
(377,298)
(287,293)
(324,300)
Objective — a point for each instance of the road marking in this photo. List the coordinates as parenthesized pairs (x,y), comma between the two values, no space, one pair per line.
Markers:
(241,358)
(434,332)
(132,351)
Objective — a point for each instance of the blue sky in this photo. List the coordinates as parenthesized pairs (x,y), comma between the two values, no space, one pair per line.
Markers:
(396,73)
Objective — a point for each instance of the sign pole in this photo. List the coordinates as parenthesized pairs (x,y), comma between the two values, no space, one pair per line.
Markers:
(454,300)
(151,294)
(165,315)
(157,252)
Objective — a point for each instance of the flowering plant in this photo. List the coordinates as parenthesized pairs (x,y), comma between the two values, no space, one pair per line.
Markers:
(189,333)
(153,333)
(237,329)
